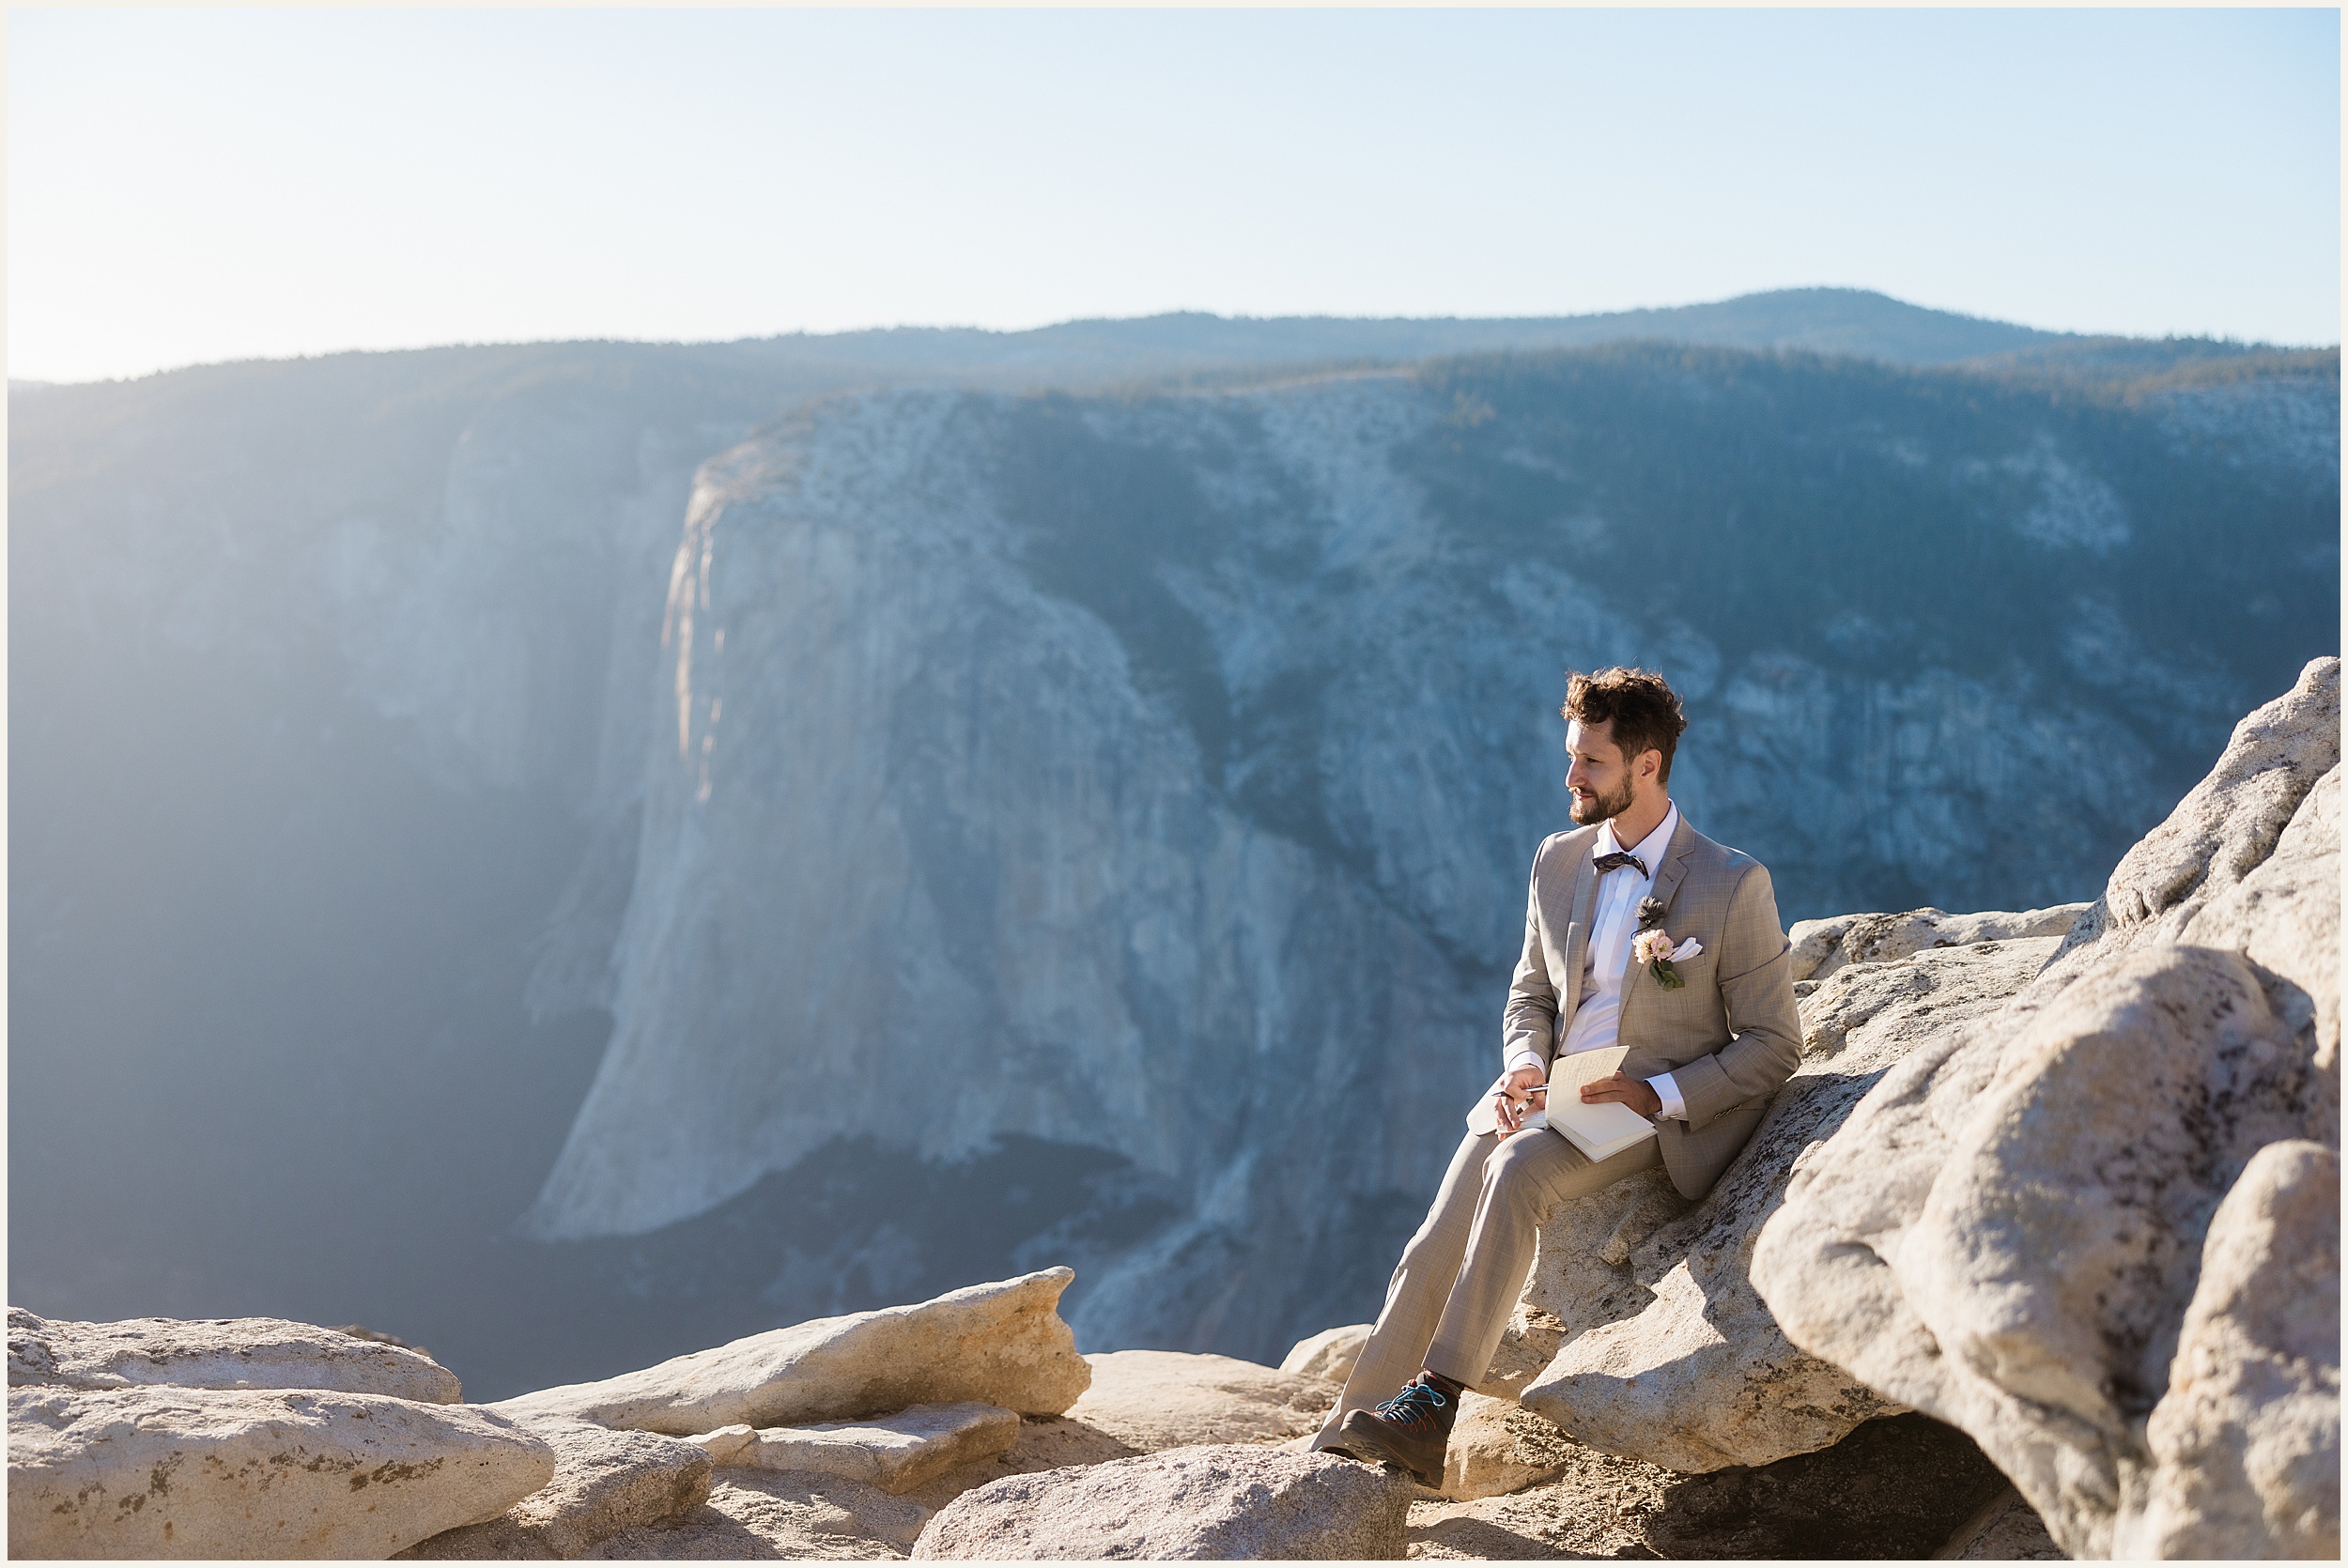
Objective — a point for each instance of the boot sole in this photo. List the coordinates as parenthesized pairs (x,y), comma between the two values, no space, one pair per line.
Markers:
(1369,1447)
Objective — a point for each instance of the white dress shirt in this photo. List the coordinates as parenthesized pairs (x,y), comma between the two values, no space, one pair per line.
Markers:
(1606,955)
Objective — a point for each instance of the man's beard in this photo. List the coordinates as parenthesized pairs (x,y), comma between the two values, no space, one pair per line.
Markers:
(1598,809)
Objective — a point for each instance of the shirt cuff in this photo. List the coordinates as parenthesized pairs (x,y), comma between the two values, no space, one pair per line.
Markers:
(1522,1056)
(1674,1107)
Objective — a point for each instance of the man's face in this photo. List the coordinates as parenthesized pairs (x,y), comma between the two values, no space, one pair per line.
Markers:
(1596,775)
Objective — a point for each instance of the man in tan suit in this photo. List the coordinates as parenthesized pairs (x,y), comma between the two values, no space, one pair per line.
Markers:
(1703,1059)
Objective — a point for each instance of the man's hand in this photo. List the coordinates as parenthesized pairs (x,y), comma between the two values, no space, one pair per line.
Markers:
(1513,1097)
(1637,1093)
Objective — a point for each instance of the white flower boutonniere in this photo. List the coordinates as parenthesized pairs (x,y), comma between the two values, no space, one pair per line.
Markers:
(1655,949)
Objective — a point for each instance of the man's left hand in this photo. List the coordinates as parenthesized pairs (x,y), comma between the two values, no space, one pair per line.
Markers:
(1637,1093)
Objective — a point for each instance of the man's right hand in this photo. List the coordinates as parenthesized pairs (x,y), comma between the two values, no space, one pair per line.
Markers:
(1511,1100)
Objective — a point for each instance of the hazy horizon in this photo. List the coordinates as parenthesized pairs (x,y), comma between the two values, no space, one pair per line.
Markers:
(195,187)
(957,327)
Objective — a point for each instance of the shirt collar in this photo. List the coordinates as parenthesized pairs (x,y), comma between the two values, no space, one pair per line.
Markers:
(1651,848)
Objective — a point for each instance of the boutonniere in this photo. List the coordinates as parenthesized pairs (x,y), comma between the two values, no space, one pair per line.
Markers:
(1653,946)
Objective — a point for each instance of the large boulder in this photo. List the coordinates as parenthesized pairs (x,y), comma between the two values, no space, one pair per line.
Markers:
(604,1481)
(1657,1344)
(1582,1275)
(1329,1354)
(1218,1502)
(148,1473)
(218,1353)
(2009,1232)
(2245,1446)
(1001,1344)
(1498,1447)
(2228,824)
(2284,917)
(1159,1399)
(898,1452)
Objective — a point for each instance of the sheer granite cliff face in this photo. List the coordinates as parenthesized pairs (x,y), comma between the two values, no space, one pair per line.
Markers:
(1159,774)
(920,862)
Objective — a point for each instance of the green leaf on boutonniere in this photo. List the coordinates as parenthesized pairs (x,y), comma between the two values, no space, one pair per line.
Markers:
(1665,975)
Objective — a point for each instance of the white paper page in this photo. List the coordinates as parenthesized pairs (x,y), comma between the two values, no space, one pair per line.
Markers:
(1601,1129)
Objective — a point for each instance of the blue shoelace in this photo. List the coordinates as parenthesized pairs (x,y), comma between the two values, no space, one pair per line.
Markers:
(1413,1406)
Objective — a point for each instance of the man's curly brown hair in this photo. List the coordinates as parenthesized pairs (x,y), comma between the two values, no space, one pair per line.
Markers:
(1642,705)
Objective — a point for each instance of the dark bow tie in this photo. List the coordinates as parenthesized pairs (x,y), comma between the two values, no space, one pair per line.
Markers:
(1619,859)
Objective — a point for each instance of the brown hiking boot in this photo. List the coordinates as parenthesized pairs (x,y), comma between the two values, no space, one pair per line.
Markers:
(1409,1432)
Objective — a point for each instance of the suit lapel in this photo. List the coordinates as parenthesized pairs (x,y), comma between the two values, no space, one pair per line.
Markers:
(1667,880)
(1578,924)
(1674,870)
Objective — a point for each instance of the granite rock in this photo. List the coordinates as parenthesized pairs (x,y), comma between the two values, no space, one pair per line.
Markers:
(2228,824)
(2098,1118)
(895,1452)
(726,1442)
(159,1472)
(1045,1443)
(2245,1445)
(1160,1399)
(1822,946)
(1582,1275)
(1498,1447)
(1216,1502)
(218,1353)
(1664,1349)
(1002,1344)
(1329,1355)
(2103,1135)
(605,1482)
(2284,917)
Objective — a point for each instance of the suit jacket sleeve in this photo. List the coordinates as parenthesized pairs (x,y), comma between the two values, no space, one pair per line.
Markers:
(1531,1019)
(1756,980)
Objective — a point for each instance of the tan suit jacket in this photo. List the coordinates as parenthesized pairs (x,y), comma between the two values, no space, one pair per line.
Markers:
(1729,1037)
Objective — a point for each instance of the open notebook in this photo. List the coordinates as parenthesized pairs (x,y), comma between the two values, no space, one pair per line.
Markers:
(1598,1132)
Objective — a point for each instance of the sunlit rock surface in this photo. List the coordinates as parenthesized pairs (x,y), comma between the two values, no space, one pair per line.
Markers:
(1001,1344)
(2091,1228)
(156,1471)
(223,1353)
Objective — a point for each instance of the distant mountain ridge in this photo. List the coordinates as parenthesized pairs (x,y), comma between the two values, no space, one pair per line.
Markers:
(1851,322)
(1835,321)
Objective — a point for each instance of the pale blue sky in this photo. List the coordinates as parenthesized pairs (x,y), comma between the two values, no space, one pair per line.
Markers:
(187,186)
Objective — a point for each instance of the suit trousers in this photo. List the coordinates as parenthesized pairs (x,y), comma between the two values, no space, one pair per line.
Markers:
(1461,1275)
